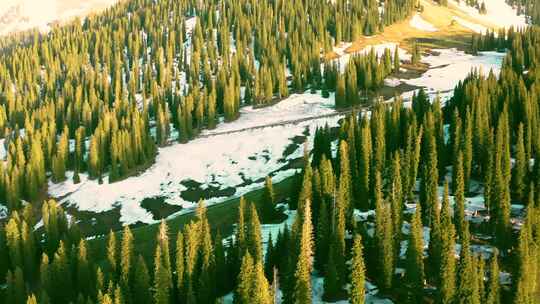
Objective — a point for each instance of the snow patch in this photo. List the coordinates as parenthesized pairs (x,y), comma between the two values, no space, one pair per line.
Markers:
(419,23)
(3,212)
(475,27)
(450,66)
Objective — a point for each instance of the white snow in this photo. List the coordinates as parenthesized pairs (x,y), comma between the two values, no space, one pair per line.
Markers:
(392,82)
(450,66)
(274,229)
(190,24)
(3,211)
(370,298)
(360,216)
(379,50)
(20,15)
(419,23)
(3,151)
(222,160)
(475,27)
(499,13)
(295,107)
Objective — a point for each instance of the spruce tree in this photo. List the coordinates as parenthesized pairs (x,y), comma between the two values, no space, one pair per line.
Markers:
(414,271)
(357,293)
(493,288)
(242,293)
(126,257)
(447,276)
(302,288)
(465,278)
(141,283)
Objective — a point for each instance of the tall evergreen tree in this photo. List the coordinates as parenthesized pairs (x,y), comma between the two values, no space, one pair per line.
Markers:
(357,293)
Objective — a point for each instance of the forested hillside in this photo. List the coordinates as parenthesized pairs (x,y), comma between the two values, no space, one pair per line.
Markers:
(429,200)
(98,97)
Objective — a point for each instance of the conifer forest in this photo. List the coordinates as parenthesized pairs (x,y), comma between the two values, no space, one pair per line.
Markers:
(271,151)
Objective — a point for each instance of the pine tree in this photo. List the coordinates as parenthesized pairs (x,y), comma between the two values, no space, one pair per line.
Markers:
(302,289)
(126,257)
(254,236)
(357,293)
(31,299)
(383,237)
(260,291)
(459,194)
(447,277)
(465,293)
(243,290)
(414,274)
(141,283)
(332,286)
(180,264)
(161,280)
(61,275)
(112,253)
(268,209)
(340,92)
(493,289)
(83,270)
(519,173)
(397,62)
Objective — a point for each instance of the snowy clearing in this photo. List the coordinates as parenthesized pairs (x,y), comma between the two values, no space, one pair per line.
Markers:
(419,23)
(450,66)
(499,13)
(236,162)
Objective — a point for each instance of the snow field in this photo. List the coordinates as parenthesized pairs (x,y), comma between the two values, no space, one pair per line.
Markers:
(450,66)
(237,160)
(498,13)
(419,23)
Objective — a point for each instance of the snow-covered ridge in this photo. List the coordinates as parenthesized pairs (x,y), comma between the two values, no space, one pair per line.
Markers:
(21,15)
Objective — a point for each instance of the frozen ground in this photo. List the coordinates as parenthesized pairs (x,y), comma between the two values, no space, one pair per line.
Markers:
(236,161)
(418,23)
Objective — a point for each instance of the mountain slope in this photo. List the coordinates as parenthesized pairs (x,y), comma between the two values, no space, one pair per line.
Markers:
(20,15)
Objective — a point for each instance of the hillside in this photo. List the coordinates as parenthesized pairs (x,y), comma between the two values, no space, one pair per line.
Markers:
(21,15)
(270,151)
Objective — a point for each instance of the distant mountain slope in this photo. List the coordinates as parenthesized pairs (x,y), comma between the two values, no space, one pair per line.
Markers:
(20,15)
